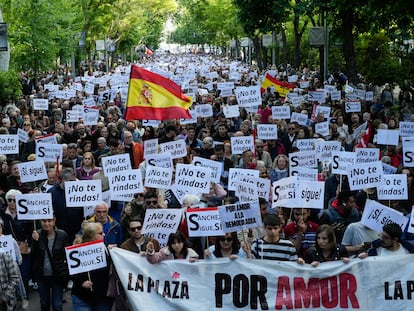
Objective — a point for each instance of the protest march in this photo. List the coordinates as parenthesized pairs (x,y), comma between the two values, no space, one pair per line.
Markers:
(186,182)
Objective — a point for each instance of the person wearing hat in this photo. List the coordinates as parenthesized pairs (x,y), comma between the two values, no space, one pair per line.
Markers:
(388,244)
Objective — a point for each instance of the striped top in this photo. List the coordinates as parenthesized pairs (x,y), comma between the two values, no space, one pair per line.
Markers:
(282,250)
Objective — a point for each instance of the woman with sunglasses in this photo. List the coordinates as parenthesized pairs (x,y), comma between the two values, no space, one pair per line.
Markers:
(89,291)
(21,231)
(226,246)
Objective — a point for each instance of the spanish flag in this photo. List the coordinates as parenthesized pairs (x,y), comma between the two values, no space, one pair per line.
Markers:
(154,97)
(281,87)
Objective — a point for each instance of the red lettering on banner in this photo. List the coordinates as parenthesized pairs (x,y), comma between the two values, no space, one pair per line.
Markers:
(329,292)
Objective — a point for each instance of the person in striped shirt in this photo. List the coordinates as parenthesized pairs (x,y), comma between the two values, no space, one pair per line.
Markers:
(271,246)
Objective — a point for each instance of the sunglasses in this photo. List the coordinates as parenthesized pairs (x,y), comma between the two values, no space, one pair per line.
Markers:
(152,202)
(226,239)
(11,200)
(138,228)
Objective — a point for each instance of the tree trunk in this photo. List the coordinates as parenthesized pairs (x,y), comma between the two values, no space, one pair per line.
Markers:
(298,38)
(348,48)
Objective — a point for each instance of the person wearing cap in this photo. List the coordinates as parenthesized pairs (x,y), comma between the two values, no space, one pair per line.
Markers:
(388,244)
(271,246)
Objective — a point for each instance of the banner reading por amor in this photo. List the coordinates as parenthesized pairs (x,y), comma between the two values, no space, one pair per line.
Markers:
(374,283)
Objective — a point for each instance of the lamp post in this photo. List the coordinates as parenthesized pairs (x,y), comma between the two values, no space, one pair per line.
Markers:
(4,46)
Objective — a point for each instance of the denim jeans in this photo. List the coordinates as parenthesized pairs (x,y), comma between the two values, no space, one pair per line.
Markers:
(101,304)
(50,291)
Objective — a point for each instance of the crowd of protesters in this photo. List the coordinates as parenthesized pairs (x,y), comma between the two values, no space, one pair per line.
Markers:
(287,234)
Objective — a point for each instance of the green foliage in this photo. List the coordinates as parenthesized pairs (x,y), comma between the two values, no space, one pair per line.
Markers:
(10,87)
(375,59)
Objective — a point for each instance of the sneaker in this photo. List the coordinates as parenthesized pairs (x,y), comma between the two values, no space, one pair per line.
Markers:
(35,286)
(25,304)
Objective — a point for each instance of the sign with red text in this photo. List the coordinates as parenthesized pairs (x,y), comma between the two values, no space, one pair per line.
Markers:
(86,257)
(203,222)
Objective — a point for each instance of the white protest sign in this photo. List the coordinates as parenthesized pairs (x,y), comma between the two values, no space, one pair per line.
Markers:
(83,192)
(316,96)
(348,89)
(293,78)
(7,246)
(357,132)
(159,223)
(336,95)
(73,115)
(239,216)
(411,224)
(388,169)
(369,96)
(32,171)
(193,119)
(267,131)
(203,222)
(49,152)
(177,148)
(248,96)
(304,84)
(307,174)
(215,166)
(360,93)
(204,110)
(47,139)
(150,147)
(90,116)
(324,149)
(366,175)
(34,206)
(158,177)
(235,173)
(281,112)
(376,216)
(40,104)
(406,128)
(23,135)
(262,185)
(231,111)
(387,137)
(51,87)
(305,144)
(300,118)
(393,187)
(89,88)
(353,106)
(125,184)
(89,101)
(324,110)
(153,123)
(9,144)
(284,192)
(86,257)
(341,160)
(241,143)
(226,92)
(116,163)
(311,194)
(245,191)
(366,155)
(192,179)
(160,160)
(322,128)
(298,160)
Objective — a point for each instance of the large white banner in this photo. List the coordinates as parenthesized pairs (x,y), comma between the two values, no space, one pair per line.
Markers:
(375,283)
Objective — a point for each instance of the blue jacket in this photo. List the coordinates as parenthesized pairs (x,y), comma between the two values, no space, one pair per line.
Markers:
(112,230)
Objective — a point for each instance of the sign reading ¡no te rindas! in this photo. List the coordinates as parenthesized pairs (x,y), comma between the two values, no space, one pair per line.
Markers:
(86,257)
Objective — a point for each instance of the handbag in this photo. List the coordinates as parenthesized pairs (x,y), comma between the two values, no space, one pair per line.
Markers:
(24,247)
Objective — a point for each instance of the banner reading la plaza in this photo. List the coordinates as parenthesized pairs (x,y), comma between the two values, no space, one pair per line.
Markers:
(375,283)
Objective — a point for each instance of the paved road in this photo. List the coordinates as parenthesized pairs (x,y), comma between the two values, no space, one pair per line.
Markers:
(35,303)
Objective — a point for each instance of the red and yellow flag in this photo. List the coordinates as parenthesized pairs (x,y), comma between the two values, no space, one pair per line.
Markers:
(154,97)
(281,87)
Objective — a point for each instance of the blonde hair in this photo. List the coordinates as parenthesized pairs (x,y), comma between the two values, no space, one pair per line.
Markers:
(89,230)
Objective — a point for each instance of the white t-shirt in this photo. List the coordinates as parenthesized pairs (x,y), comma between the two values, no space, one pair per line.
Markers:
(385,252)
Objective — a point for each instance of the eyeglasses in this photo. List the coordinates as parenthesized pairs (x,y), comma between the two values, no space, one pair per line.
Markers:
(100,233)
(87,158)
(384,237)
(291,128)
(11,200)
(226,239)
(151,202)
(259,147)
(138,228)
